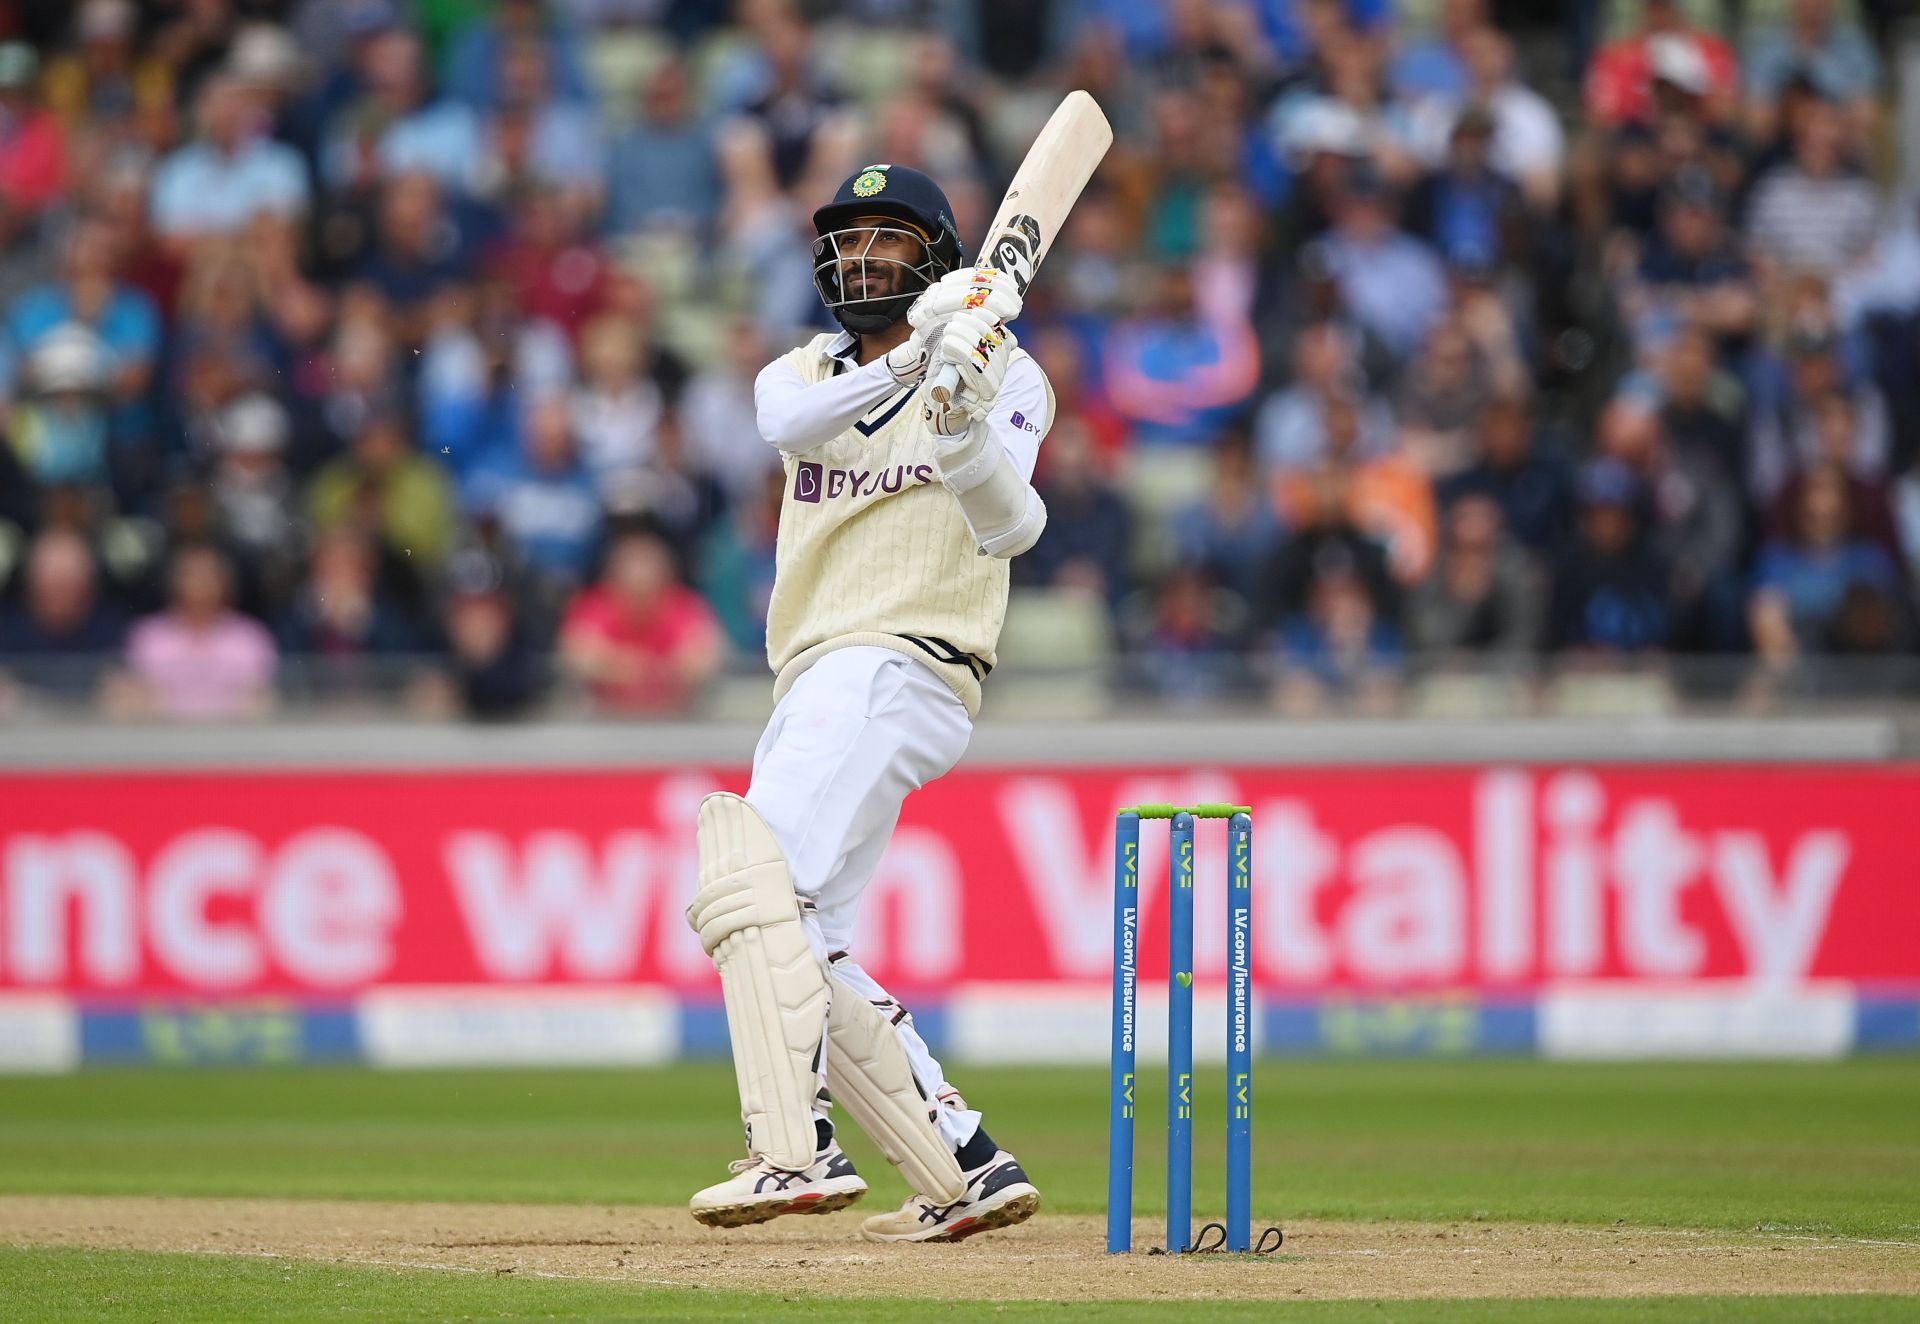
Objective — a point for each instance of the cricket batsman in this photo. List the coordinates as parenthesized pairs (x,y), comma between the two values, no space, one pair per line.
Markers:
(899,520)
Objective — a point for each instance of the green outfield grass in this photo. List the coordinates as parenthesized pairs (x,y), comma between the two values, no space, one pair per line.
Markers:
(1831,1148)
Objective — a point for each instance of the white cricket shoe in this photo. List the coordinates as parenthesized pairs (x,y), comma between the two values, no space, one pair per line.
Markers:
(998,1195)
(758,1191)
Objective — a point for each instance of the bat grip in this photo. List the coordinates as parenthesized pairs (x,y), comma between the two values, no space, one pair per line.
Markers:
(946,380)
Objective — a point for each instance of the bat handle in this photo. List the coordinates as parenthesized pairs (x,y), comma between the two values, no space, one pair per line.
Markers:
(946,380)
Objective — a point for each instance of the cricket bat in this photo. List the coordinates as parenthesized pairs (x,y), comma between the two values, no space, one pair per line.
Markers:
(1044,189)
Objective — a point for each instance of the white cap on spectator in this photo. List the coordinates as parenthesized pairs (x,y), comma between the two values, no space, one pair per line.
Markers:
(1677,58)
(254,424)
(106,20)
(263,54)
(68,358)
(1327,125)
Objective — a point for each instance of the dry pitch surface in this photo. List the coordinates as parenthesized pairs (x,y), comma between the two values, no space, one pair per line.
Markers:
(1053,1258)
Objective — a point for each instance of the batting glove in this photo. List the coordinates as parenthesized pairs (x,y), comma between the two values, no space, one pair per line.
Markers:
(980,348)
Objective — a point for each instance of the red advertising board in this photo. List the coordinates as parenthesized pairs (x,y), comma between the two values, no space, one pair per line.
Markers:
(326,883)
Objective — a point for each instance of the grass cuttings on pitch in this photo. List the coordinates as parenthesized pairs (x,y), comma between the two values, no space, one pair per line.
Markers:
(105,1287)
(1826,1148)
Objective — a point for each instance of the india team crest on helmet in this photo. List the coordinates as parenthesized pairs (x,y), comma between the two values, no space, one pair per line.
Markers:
(872,180)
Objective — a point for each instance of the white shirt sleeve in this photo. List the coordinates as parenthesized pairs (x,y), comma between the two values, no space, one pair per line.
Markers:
(1021,415)
(796,417)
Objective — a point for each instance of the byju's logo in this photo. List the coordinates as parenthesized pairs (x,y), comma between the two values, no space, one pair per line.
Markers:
(813,484)
(806,481)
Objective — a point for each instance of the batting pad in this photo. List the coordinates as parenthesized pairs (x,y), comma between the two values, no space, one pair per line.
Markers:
(868,1073)
(775,988)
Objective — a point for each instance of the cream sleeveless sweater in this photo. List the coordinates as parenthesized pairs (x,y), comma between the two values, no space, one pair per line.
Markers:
(872,550)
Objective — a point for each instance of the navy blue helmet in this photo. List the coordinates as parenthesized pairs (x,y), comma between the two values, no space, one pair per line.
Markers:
(899,193)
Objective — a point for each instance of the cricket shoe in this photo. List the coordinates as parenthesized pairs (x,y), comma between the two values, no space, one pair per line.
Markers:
(758,1191)
(998,1194)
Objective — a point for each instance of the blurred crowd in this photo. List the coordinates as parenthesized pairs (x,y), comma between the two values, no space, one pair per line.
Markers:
(405,350)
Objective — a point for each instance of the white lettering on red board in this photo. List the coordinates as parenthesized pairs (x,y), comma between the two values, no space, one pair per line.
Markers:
(1419,907)
(218,910)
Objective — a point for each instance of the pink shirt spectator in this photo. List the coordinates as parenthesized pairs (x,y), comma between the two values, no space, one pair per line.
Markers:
(221,670)
(658,652)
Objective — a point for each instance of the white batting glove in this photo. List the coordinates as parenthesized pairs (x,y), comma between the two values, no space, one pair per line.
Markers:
(907,361)
(980,348)
(983,289)
(986,289)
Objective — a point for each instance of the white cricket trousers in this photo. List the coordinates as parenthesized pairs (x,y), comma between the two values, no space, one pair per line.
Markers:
(860,730)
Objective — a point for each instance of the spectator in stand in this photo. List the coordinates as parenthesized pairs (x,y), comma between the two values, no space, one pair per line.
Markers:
(682,500)
(198,659)
(1390,498)
(1188,646)
(1442,395)
(58,431)
(1484,594)
(1325,532)
(1811,41)
(798,119)
(718,421)
(1812,588)
(1609,586)
(547,499)
(1533,487)
(737,564)
(1524,141)
(221,345)
(1696,523)
(616,410)
(475,60)
(1339,647)
(1433,63)
(33,149)
(1291,427)
(641,642)
(230,172)
(791,145)
(254,495)
(496,674)
(55,642)
(97,86)
(417,252)
(1785,424)
(1089,530)
(390,124)
(557,140)
(1470,213)
(90,294)
(1231,532)
(1815,214)
(662,172)
(550,265)
(1179,371)
(193,40)
(385,488)
(1703,407)
(1836,426)
(1620,81)
(1390,281)
(482,360)
(1077,391)
(1691,271)
(346,633)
